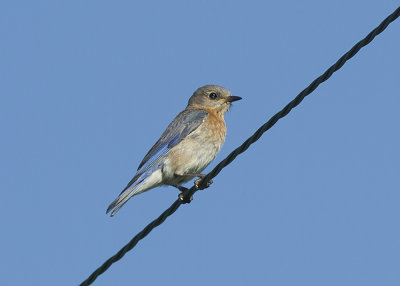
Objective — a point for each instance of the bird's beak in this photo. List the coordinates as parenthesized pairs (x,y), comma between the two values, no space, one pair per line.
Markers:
(233,98)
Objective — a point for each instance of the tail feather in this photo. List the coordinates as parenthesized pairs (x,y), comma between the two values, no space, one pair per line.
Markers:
(123,198)
(120,201)
(143,183)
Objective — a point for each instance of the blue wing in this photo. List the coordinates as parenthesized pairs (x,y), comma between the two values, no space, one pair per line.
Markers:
(185,123)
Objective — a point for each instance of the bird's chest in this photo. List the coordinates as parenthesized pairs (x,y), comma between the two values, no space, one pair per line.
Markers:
(209,138)
(211,134)
(200,147)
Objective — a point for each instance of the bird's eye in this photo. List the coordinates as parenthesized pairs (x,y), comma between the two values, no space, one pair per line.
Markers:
(213,95)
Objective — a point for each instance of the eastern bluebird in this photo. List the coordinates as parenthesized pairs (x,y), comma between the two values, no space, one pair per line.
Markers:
(190,142)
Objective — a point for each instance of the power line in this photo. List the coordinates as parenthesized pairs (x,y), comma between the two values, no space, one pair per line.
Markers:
(299,98)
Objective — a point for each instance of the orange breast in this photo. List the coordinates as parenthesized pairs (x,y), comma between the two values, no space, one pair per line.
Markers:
(216,125)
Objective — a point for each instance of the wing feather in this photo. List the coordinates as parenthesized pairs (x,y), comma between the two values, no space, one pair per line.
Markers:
(185,123)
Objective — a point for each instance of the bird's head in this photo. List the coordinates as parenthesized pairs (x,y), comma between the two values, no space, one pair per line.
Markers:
(212,97)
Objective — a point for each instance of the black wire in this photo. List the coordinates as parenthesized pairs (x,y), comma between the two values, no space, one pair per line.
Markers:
(299,98)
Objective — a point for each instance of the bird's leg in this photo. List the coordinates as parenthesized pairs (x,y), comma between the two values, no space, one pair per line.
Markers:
(181,195)
(197,182)
(181,188)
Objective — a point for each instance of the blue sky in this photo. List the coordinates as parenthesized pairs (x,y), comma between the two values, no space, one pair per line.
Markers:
(88,86)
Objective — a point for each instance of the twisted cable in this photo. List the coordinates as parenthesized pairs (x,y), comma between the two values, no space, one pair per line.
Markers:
(271,122)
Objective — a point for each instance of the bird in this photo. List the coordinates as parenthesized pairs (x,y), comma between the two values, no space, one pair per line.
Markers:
(188,145)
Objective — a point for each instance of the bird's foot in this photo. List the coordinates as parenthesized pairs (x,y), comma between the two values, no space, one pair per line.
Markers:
(181,197)
(197,183)
(184,199)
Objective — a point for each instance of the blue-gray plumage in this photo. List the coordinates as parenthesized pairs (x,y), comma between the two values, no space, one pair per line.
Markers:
(185,123)
(190,142)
